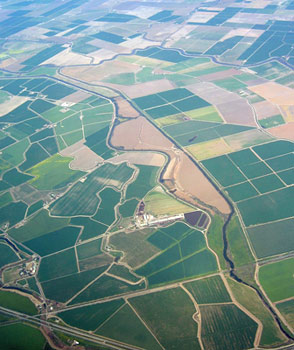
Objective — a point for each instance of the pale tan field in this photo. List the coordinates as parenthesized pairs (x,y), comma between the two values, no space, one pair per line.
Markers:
(92,74)
(288,113)
(275,93)
(142,89)
(181,175)
(265,109)
(11,104)
(285,131)
(84,158)
(67,58)
(219,75)
(141,158)
(125,109)
(76,97)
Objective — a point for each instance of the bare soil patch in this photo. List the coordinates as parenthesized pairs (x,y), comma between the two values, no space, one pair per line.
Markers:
(11,104)
(141,158)
(285,131)
(181,176)
(265,109)
(76,97)
(125,109)
(84,158)
(275,93)
(237,112)
(138,90)
(220,75)
(92,74)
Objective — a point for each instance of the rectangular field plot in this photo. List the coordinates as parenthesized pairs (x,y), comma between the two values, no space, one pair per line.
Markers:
(226,327)
(53,173)
(274,238)
(241,191)
(287,176)
(7,255)
(126,327)
(58,265)
(267,183)
(163,312)
(104,287)
(225,172)
(64,288)
(268,207)
(54,241)
(255,170)
(277,279)
(79,317)
(209,290)
(282,162)
(274,149)
(39,224)
(221,130)
(170,102)
(200,263)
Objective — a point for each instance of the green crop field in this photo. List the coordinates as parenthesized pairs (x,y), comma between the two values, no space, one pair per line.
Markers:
(90,249)
(238,244)
(128,208)
(38,225)
(109,199)
(53,173)
(163,312)
(135,245)
(274,238)
(287,310)
(247,297)
(17,302)
(58,265)
(91,228)
(64,288)
(209,290)
(226,327)
(7,255)
(144,182)
(224,170)
(277,279)
(123,272)
(21,337)
(126,327)
(104,287)
(54,241)
(268,207)
(90,317)
(81,199)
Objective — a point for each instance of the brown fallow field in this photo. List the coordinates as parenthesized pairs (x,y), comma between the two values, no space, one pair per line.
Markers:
(181,176)
(125,109)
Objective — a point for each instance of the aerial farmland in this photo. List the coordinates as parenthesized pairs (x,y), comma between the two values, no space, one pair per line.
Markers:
(146,175)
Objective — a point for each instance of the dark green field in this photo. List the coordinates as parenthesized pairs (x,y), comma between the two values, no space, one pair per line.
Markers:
(209,290)
(90,317)
(163,312)
(274,238)
(125,326)
(225,327)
